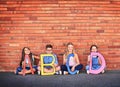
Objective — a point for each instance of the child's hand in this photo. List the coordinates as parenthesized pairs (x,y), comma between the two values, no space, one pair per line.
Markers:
(73,68)
(39,63)
(37,57)
(22,63)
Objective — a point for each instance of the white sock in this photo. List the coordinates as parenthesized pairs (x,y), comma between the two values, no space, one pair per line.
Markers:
(60,72)
(38,72)
(88,72)
(77,72)
(57,72)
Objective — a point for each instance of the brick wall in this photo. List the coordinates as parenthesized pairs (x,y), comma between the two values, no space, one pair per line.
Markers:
(35,23)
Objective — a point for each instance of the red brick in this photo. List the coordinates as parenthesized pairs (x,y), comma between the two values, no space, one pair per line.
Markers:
(37,23)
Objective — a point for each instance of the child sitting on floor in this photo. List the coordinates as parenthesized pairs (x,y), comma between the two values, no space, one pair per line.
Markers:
(96,60)
(48,59)
(71,61)
(19,70)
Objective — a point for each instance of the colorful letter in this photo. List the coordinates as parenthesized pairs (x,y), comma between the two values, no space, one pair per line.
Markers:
(50,64)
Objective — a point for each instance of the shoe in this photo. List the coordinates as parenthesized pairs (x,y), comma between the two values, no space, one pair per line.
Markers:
(103,71)
(78,72)
(60,72)
(56,73)
(16,72)
(38,72)
(65,73)
(88,72)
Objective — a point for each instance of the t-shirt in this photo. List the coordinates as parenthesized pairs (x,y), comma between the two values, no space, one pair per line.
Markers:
(49,59)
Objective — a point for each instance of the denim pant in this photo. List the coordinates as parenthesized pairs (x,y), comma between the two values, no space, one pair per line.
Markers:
(19,69)
(78,67)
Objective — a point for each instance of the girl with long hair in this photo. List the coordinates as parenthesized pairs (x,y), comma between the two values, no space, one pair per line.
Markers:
(71,62)
(25,60)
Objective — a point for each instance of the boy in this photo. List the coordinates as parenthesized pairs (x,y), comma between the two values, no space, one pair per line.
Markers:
(48,59)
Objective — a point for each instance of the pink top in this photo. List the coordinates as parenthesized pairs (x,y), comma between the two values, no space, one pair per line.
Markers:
(72,61)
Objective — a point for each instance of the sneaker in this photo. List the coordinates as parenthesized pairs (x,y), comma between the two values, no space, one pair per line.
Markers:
(65,73)
(103,71)
(78,72)
(88,72)
(16,72)
(56,73)
(38,72)
(60,72)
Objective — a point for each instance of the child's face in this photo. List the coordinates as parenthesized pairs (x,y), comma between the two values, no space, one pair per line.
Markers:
(70,48)
(94,49)
(27,51)
(49,50)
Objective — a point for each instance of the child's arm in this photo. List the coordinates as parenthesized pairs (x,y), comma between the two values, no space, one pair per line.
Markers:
(36,57)
(64,59)
(88,61)
(56,60)
(39,63)
(77,62)
(77,59)
(22,63)
(100,62)
(56,65)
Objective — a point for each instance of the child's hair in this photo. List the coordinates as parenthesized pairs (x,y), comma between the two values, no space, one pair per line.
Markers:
(23,55)
(49,46)
(70,43)
(93,46)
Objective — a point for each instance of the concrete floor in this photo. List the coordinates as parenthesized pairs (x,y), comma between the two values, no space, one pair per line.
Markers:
(108,79)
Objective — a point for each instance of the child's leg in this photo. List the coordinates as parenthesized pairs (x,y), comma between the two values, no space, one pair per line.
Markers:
(18,70)
(57,68)
(103,71)
(39,69)
(64,69)
(29,71)
(35,68)
(48,70)
(87,69)
(79,67)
